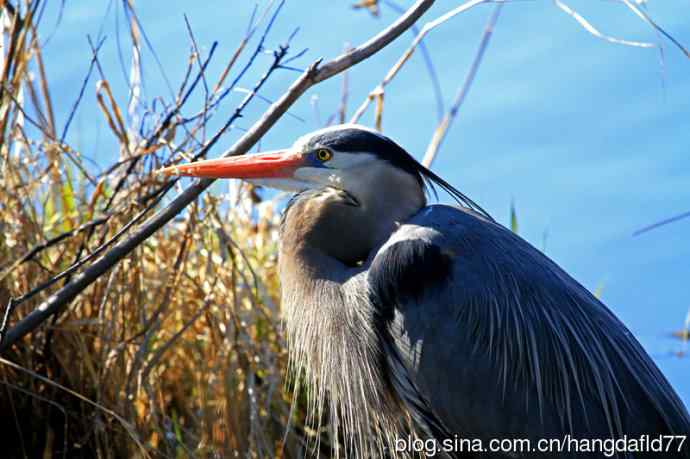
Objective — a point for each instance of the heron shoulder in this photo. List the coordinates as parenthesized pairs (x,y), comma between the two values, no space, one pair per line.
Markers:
(426,249)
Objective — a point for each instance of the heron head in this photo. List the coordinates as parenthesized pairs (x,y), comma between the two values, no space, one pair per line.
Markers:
(347,157)
(359,161)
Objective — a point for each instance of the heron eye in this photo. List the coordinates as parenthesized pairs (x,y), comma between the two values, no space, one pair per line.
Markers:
(323,155)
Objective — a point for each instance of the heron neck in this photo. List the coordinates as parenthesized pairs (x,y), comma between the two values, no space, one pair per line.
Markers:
(328,317)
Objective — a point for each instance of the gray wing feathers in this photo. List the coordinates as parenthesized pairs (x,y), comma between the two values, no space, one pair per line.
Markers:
(499,341)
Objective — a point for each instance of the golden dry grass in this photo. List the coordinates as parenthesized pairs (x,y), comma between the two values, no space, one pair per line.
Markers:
(181,340)
(178,350)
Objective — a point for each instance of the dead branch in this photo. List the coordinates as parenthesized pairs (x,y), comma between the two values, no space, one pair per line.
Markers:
(378,91)
(445,123)
(592,30)
(663,222)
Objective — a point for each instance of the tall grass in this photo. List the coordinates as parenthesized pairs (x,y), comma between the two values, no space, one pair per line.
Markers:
(175,352)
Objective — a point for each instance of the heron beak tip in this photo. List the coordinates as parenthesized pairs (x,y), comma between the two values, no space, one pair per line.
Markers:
(169,171)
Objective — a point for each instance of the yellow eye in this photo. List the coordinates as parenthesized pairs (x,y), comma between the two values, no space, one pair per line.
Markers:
(323,155)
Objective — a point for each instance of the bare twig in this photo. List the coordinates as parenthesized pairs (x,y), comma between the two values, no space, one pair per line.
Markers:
(661,223)
(592,30)
(81,91)
(313,75)
(257,50)
(9,309)
(430,68)
(377,92)
(645,17)
(344,95)
(251,29)
(202,71)
(135,25)
(445,123)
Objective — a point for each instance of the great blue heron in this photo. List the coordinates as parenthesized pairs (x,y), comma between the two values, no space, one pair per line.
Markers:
(437,320)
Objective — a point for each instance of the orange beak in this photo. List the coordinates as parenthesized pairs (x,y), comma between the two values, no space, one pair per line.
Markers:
(272,164)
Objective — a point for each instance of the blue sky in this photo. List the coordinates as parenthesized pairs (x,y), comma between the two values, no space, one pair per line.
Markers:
(590,139)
